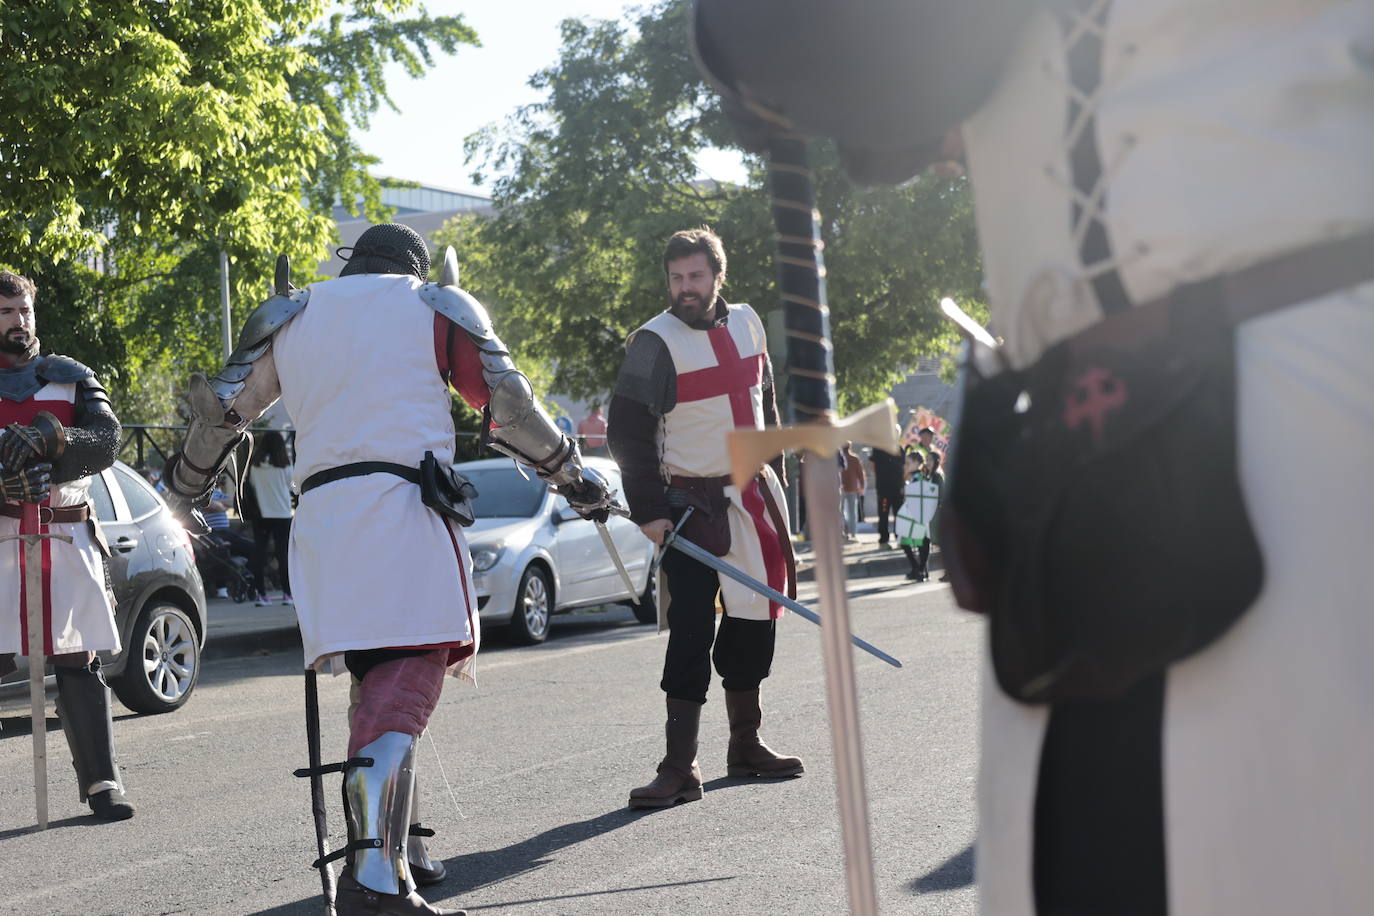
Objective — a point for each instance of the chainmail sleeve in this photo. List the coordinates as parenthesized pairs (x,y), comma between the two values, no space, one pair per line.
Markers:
(93,439)
(645,390)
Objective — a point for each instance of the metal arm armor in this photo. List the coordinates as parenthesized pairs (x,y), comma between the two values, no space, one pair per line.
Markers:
(216,427)
(517,425)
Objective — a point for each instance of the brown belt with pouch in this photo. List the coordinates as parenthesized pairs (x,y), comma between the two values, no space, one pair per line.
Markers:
(708,527)
(47,514)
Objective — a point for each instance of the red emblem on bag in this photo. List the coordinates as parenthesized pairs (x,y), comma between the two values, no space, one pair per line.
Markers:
(1095,394)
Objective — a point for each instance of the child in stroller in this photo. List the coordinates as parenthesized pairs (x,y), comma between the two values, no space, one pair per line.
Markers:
(221,567)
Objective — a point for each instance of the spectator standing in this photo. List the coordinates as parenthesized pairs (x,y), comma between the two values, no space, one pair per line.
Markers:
(853,482)
(270,474)
(926,487)
(592,431)
(889,476)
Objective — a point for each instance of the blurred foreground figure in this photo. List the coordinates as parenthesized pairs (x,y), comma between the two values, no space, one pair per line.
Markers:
(381,574)
(1177,217)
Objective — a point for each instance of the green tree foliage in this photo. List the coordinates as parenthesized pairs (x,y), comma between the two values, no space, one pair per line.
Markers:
(595,178)
(139,138)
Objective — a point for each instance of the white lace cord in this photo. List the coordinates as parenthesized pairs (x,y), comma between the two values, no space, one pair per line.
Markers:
(444,776)
(1082,23)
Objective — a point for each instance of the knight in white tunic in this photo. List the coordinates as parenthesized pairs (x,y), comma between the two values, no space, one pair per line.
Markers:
(1207,162)
(691,374)
(58,431)
(379,564)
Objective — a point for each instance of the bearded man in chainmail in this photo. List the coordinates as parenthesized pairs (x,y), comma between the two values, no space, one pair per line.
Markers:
(58,431)
(380,569)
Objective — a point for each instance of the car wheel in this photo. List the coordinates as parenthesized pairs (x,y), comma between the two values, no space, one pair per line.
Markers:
(646,609)
(164,661)
(533,607)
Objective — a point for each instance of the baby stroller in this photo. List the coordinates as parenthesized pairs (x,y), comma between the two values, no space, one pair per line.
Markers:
(232,569)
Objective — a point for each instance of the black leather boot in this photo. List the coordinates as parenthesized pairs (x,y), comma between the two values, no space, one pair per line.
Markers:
(679,777)
(748,755)
(83,705)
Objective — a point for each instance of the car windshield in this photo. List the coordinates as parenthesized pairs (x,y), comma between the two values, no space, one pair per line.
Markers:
(503,493)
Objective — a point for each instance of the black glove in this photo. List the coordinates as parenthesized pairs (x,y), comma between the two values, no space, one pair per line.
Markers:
(42,441)
(30,485)
(588,497)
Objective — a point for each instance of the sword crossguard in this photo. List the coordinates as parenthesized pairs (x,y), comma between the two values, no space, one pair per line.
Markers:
(750,449)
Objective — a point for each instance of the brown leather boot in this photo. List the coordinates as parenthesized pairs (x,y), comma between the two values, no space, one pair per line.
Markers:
(679,777)
(748,755)
(353,899)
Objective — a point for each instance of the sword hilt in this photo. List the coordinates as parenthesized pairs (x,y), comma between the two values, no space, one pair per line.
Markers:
(801,281)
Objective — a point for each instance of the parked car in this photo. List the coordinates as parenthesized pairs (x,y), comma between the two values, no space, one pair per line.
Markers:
(160,601)
(533,556)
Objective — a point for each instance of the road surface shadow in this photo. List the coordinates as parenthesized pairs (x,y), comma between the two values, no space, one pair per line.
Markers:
(479,869)
(76,820)
(954,873)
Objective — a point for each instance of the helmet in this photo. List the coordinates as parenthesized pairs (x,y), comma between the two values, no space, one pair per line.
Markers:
(387,248)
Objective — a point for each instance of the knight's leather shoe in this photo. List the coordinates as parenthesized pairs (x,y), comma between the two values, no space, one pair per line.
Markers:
(111,805)
(669,787)
(428,877)
(352,899)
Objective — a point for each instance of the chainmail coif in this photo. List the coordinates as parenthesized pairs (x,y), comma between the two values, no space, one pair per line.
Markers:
(387,248)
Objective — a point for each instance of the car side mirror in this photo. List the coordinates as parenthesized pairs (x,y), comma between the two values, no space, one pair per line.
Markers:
(566,514)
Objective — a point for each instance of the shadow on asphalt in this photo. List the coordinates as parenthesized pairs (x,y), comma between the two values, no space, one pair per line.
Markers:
(481,869)
(954,873)
(78,820)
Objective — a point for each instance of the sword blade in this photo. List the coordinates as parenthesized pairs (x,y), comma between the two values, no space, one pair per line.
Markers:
(33,610)
(821,486)
(317,805)
(606,539)
(707,558)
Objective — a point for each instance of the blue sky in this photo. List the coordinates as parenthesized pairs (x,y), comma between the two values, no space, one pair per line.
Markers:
(424,141)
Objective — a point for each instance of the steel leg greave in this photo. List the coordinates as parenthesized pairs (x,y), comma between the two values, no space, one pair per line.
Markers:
(83,705)
(378,806)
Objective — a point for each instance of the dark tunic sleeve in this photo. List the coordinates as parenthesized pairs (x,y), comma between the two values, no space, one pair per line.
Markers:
(93,440)
(645,390)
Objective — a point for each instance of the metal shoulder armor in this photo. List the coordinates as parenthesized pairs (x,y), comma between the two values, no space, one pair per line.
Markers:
(255,338)
(517,425)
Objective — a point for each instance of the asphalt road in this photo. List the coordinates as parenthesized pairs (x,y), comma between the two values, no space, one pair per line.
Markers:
(540,758)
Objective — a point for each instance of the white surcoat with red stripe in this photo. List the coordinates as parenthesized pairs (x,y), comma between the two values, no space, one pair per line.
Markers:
(719,388)
(76,602)
(371,566)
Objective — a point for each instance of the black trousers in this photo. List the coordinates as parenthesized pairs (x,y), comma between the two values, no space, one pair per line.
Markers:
(279,530)
(743,652)
(1099,808)
(887,508)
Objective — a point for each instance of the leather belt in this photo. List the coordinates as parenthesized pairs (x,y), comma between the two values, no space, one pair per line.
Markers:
(47,514)
(686,483)
(359,469)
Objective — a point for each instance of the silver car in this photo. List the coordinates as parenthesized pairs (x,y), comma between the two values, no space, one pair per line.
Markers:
(534,557)
(159,600)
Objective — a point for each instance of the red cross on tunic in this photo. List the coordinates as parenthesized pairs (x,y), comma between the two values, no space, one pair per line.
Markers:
(733,375)
(24,412)
(736,376)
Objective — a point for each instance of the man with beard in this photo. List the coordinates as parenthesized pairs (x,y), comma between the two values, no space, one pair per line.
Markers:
(380,570)
(690,374)
(59,430)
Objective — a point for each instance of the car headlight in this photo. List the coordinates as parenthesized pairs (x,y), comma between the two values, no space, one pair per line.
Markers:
(484,558)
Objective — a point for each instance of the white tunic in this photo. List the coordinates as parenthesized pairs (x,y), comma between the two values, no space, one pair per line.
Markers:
(76,601)
(719,388)
(371,567)
(1228,133)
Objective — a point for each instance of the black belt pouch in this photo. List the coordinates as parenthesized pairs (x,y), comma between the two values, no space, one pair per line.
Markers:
(1094,509)
(446,491)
